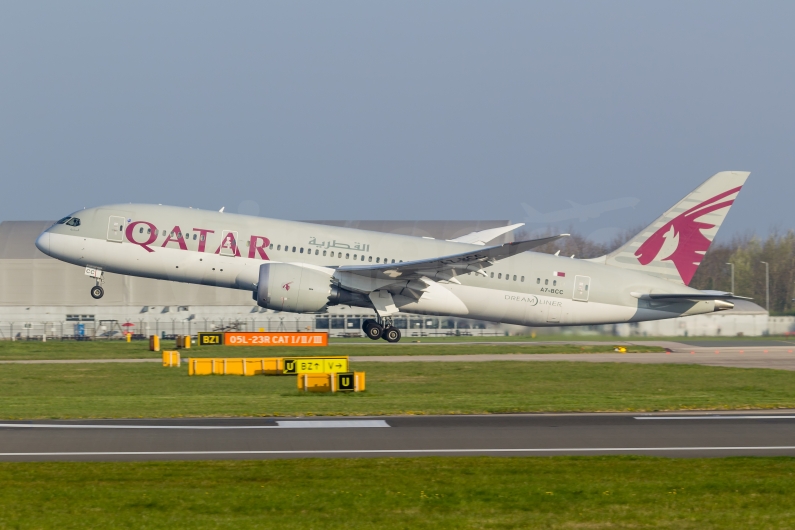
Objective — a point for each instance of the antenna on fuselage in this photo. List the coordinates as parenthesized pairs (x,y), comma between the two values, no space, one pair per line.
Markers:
(222,209)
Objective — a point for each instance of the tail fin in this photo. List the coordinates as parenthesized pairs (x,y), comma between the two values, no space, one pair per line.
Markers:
(673,246)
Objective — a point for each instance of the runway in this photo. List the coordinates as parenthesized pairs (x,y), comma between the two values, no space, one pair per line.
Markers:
(671,435)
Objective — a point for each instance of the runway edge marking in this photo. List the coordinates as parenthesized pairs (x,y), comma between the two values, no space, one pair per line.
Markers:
(405,451)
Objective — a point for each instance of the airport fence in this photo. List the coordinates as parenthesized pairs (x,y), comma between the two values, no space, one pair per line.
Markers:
(335,325)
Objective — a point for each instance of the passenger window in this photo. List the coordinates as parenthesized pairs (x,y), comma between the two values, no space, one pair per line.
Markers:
(302,250)
(332,253)
(324,252)
(164,232)
(538,280)
(293,249)
(393,261)
(278,247)
(148,230)
(492,275)
(194,237)
(514,277)
(554,282)
(270,246)
(378,260)
(499,276)
(141,230)
(546,282)
(354,256)
(371,259)
(204,236)
(522,278)
(317,252)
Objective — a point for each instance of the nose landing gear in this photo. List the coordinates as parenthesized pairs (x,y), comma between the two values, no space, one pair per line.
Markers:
(97,291)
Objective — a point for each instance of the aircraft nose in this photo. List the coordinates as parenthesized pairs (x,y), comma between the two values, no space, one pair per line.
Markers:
(43,242)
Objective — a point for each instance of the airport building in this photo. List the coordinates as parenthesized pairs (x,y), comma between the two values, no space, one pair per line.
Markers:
(41,296)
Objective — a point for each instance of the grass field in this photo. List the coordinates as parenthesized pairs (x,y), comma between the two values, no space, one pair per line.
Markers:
(411,493)
(31,350)
(112,390)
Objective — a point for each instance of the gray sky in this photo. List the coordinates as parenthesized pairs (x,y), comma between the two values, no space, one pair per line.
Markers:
(402,110)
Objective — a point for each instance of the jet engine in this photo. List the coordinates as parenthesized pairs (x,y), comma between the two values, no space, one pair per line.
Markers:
(293,288)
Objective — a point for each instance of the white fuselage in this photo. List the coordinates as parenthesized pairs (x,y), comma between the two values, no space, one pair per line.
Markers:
(227,250)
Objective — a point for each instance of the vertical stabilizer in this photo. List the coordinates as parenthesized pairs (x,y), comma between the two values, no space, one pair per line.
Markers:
(673,246)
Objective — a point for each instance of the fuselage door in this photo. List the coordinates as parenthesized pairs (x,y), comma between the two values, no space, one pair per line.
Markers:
(229,243)
(116,228)
(582,286)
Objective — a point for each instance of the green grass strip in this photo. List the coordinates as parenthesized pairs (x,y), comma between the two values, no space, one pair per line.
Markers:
(109,390)
(31,350)
(413,493)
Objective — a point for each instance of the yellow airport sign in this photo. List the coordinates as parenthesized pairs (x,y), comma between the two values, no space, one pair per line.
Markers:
(315,365)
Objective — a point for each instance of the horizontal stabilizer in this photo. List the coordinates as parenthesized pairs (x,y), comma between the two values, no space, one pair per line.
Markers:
(700,295)
(484,236)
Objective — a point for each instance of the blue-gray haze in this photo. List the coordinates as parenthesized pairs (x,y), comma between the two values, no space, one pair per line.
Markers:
(397,110)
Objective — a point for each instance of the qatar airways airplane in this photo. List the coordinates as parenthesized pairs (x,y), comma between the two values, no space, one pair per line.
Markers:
(305,268)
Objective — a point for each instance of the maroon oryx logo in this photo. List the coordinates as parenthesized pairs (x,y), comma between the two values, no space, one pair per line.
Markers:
(684,231)
(286,286)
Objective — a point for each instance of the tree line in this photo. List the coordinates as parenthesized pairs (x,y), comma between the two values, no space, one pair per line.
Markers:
(746,253)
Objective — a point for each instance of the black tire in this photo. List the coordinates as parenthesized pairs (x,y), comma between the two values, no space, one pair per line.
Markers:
(97,292)
(367,323)
(374,331)
(391,334)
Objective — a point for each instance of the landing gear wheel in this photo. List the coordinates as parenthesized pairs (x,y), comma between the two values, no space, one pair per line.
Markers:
(391,334)
(97,292)
(374,331)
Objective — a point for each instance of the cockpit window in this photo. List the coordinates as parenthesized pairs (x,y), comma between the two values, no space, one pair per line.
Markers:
(74,221)
(62,221)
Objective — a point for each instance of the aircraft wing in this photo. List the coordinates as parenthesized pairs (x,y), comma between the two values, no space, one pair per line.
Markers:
(446,267)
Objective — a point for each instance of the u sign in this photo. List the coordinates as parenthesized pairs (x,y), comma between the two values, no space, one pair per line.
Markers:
(346,382)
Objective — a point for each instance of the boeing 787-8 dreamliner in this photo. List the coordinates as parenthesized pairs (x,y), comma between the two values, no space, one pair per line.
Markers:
(304,268)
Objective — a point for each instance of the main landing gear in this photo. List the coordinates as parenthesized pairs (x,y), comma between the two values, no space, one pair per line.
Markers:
(381,328)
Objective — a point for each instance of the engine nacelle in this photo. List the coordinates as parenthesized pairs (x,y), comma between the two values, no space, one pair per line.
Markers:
(292,288)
